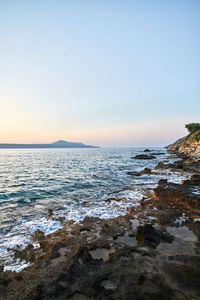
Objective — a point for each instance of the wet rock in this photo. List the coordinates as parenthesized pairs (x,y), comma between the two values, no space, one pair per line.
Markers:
(151,237)
(78,296)
(62,220)
(1,268)
(158,153)
(162,182)
(38,236)
(27,254)
(5,279)
(133,173)
(195,177)
(50,213)
(84,254)
(161,165)
(184,271)
(143,172)
(143,156)
(185,194)
(177,165)
(86,203)
(113,199)
(147,150)
(131,210)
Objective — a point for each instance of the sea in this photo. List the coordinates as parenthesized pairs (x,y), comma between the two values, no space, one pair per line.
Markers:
(74,183)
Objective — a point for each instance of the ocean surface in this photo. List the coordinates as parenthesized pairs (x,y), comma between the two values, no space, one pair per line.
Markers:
(74,183)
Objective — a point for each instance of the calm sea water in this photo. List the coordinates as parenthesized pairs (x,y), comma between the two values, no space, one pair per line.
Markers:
(74,183)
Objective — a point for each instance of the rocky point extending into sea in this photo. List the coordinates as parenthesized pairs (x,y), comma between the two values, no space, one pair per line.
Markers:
(152,252)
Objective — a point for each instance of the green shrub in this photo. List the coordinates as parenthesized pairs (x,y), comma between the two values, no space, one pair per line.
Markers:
(192,127)
(196,135)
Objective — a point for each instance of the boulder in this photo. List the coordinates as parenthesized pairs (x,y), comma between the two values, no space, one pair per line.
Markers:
(145,171)
(147,235)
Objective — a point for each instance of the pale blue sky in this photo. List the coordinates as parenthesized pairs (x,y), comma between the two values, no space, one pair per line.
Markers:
(122,73)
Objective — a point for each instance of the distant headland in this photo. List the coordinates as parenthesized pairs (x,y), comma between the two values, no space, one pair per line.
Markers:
(58,144)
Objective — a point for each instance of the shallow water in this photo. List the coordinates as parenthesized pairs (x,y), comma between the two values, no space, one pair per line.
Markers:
(72,182)
(183,243)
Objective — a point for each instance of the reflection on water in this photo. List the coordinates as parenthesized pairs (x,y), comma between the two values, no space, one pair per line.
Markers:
(183,243)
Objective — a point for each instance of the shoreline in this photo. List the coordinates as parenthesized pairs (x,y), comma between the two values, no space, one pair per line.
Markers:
(142,254)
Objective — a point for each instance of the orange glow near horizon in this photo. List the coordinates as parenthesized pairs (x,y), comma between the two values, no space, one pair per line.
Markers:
(129,134)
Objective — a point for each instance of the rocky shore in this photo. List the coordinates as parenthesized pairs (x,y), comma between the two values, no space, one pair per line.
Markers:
(152,252)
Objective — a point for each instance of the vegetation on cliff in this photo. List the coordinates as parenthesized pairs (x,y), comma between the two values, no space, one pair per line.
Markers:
(194,131)
(188,146)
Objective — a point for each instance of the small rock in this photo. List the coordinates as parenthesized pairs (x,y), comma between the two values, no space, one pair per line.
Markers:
(162,182)
(27,254)
(133,173)
(143,156)
(113,199)
(1,268)
(131,211)
(38,236)
(146,171)
(109,285)
(50,213)
(161,165)
(61,220)
(195,177)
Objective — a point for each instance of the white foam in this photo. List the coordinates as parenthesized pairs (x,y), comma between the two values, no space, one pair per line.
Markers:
(20,235)
(196,219)
(181,219)
(27,200)
(17,266)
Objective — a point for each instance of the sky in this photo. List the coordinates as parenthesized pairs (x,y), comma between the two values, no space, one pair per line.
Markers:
(108,73)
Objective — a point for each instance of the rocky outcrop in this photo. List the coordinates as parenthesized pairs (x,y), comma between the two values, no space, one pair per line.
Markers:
(187,147)
(186,194)
(173,148)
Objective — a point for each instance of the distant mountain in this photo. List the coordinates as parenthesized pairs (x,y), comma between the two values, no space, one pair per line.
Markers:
(58,144)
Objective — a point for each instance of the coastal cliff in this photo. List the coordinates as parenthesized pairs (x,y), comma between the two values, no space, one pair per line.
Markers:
(187,147)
